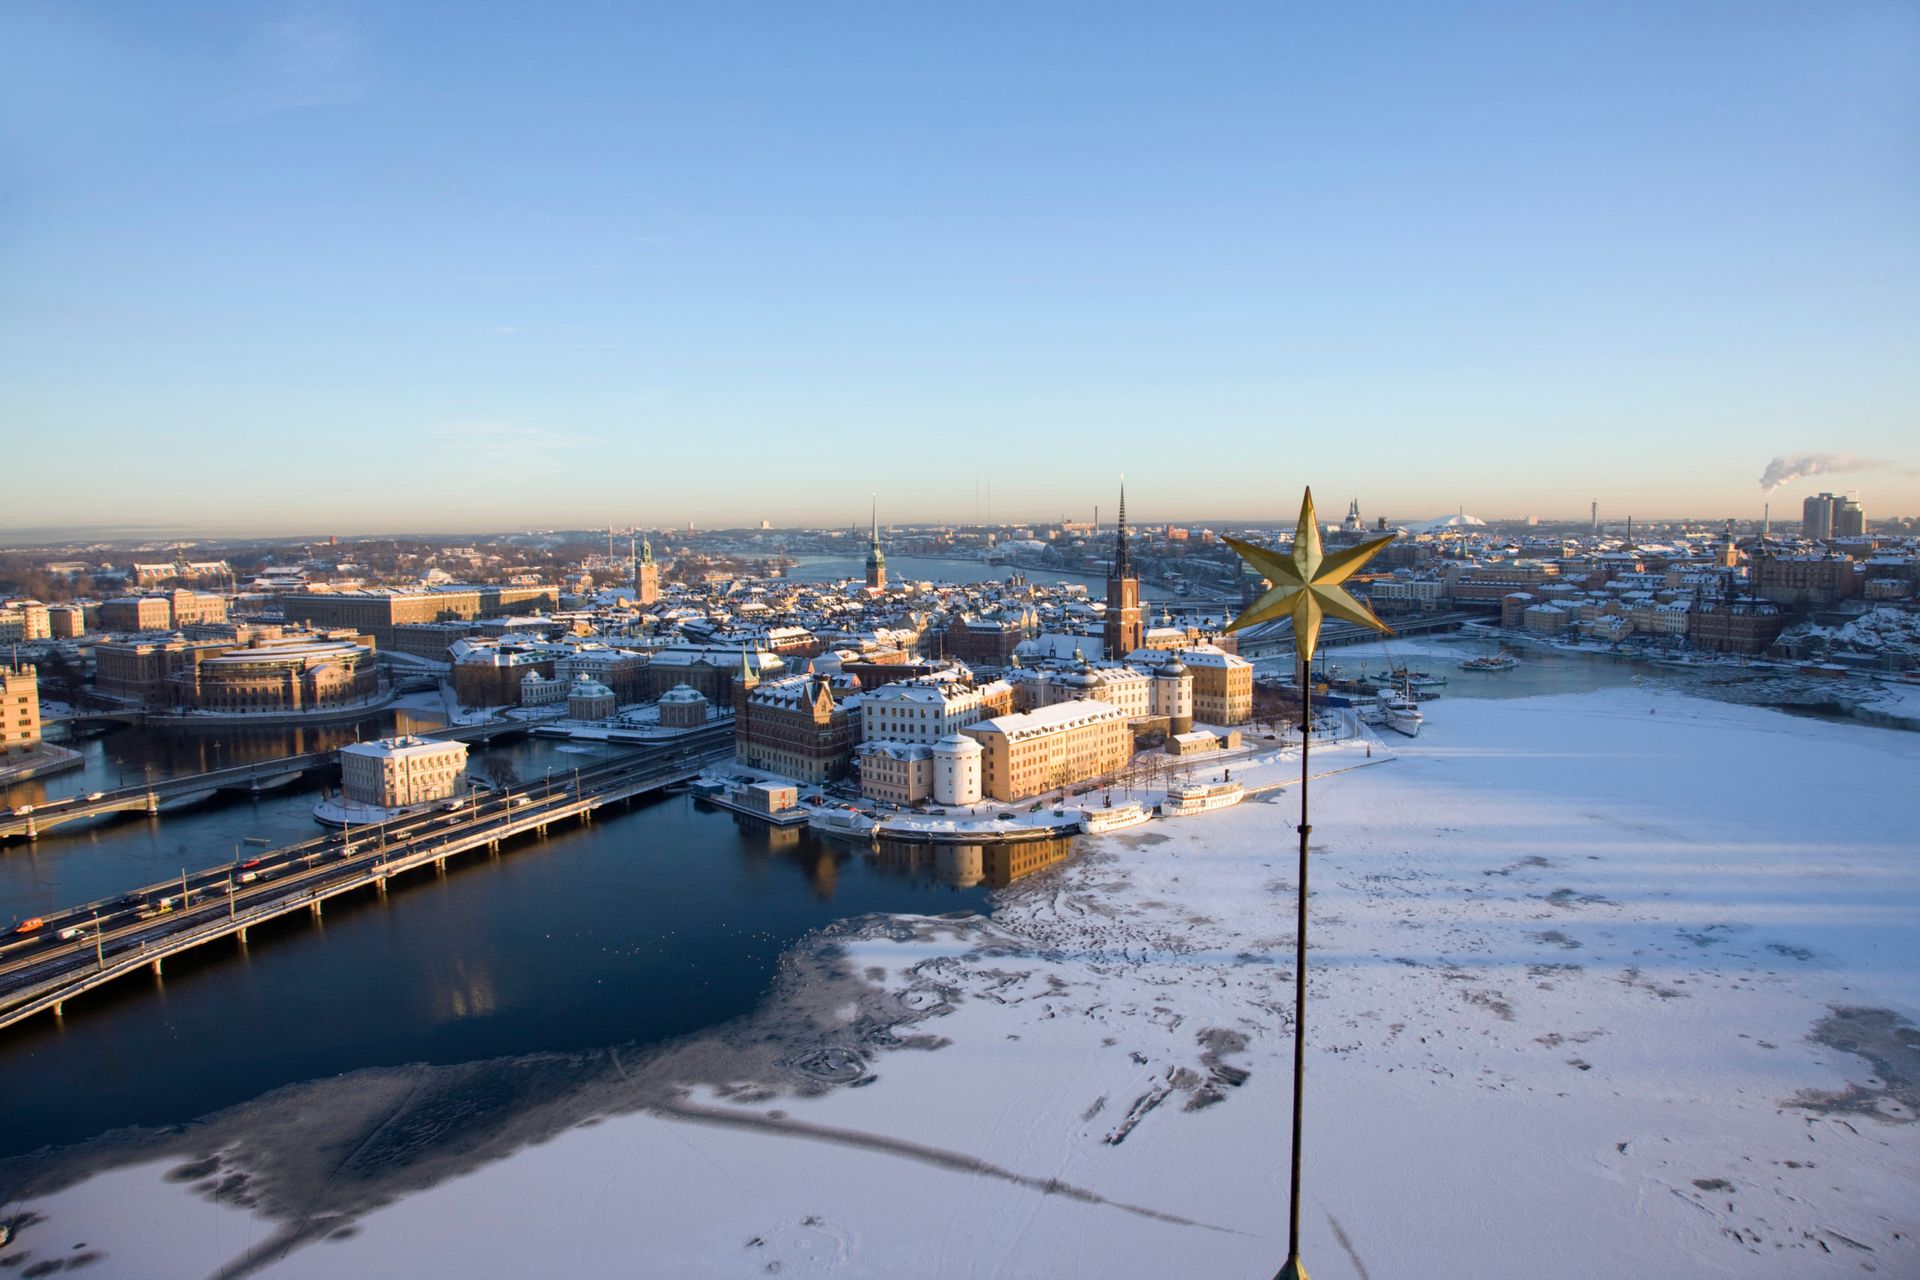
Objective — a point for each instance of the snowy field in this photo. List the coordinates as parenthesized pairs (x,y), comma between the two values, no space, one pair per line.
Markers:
(1616,983)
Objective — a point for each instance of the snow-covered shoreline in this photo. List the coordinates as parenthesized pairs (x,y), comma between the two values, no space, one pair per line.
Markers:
(1613,982)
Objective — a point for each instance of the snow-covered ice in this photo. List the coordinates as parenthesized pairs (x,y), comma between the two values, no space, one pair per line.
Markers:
(1611,983)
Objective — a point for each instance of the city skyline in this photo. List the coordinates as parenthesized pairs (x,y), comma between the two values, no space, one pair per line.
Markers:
(297,268)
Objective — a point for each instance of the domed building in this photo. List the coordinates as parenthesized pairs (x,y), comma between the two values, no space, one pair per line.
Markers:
(1173,695)
(588,699)
(683,707)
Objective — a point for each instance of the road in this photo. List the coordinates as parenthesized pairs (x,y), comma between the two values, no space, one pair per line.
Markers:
(78,947)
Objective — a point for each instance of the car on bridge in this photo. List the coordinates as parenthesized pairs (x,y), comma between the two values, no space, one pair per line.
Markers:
(32,924)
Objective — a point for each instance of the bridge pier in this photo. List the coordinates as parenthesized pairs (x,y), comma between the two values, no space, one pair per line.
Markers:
(33,828)
(156,968)
(440,865)
(381,885)
(314,906)
(153,803)
(59,1009)
(243,935)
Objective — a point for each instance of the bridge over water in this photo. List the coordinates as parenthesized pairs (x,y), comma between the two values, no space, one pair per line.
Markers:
(85,947)
(31,822)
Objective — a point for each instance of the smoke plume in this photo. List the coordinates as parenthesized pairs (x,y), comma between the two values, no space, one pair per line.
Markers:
(1792,466)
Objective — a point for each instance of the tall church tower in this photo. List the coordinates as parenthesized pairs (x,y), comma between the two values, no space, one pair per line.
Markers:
(646,576)
(1124,631)
(876,558)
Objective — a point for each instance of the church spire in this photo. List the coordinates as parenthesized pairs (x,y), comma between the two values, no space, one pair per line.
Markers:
(1121,561)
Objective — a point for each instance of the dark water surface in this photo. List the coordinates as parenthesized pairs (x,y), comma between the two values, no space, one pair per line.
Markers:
(650,923)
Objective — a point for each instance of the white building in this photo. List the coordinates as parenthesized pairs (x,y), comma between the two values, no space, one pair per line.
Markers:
(394,773)
(926,709)
(956,770)
(537,690)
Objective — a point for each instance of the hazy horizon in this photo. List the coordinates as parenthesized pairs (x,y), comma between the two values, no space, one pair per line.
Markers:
(286,267)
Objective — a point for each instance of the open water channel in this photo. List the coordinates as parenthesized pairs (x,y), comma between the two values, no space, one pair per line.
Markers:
(652,923)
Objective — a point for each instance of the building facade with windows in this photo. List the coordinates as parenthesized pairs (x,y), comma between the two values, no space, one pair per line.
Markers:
(394,773)
(1027,753)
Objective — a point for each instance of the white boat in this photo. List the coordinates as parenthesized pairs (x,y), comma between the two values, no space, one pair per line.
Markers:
(1113,818)
(1402,712)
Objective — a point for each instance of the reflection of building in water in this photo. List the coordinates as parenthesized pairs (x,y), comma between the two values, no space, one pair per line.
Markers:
(907,859)
(783,837)
(960,865)
(824,874)
(1006,863)
(462,993)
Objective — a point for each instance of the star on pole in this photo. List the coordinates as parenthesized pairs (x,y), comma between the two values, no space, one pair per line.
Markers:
(1307,583)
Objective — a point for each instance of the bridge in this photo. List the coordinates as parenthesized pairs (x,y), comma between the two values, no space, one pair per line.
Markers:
(32,821)
(84,947)
(1274,639)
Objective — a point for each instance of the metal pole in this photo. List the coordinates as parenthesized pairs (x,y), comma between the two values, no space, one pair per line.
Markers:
(1293,1267)
(99,947)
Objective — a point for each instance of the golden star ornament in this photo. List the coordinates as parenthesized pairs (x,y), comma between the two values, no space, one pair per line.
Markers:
(1307,583)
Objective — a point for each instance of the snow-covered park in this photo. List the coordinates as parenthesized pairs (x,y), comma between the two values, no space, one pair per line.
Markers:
(1613,983)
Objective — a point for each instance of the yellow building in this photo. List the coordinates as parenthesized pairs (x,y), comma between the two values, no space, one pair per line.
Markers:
(19,710)
(1055,746)
(1222,685)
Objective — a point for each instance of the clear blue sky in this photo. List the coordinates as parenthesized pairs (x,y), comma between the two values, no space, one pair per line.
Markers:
(374,267)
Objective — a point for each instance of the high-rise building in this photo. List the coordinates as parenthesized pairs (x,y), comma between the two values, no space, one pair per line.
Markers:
(19,710)
(1124,630)
(1816,517)
(1849,519)
(1832,515)
(876,558)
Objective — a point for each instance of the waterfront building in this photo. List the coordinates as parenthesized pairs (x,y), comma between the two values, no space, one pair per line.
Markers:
(1026,753)
(1744,627)
(907,773)
(488,673)
(393,773)
(301,676)
(1124,630)
(588,699)
(684,707)
(958,769)
(537,690)
(801,727)
(144,670)
(896,772)
(19,710)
